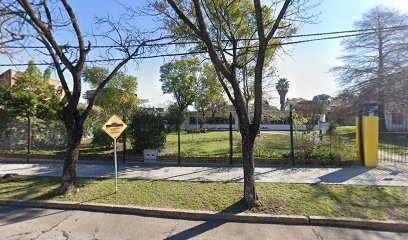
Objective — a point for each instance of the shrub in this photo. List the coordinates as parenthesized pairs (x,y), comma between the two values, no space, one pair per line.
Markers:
(48,135)
(172,118)
(101,139)
(147,131)
(272,119)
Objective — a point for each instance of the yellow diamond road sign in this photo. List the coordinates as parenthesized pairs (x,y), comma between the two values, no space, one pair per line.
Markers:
(114,127)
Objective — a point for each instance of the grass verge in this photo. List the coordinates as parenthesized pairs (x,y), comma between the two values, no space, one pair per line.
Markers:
(369,202)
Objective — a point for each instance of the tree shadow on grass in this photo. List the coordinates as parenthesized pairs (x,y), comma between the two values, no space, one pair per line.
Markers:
(235,208)
(28,187)
(362,201)
(81,183)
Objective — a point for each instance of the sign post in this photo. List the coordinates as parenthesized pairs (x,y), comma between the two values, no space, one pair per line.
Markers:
(114,127)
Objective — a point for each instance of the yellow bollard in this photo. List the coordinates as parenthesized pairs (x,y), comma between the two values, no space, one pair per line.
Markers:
(370,137)
(370,140)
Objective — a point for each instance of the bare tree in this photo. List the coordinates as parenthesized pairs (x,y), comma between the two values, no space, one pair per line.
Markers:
(11,30)
(311,111)
(343,108)
(45,22)
(374,55)
(234,33)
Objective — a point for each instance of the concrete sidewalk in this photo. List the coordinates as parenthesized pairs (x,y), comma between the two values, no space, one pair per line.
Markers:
(385,176)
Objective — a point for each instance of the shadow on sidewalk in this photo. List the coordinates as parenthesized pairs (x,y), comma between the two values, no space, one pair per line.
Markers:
(343,174)
(236,208)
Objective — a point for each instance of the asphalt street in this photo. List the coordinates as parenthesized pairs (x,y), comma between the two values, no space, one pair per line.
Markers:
(37,224)
(387,175)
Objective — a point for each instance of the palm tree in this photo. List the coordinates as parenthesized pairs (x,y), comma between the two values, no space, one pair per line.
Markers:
(282,86)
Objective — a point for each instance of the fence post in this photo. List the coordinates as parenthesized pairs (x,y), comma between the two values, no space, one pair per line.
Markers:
(292,147)
(360,137)
(230,137)
(178,143)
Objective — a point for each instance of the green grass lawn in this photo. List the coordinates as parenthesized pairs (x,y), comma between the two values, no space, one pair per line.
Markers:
(370,202)
(348,134)
(216,144)
(85,149)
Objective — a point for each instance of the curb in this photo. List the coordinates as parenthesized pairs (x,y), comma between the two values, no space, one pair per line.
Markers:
(393,226)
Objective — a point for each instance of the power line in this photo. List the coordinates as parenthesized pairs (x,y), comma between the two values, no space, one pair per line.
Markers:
(365,31)
(200,52)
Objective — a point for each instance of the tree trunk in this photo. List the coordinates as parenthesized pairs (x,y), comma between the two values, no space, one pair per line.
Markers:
(74,128)
(28,137)
(282,102)
(250,195)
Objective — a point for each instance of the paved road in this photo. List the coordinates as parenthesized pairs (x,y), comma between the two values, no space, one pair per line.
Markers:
(387,176)
(34,223)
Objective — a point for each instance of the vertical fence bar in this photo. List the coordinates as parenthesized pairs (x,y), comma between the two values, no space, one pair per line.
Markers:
(178,144)
(361,138)
(292,147)
(29,138)
(230,137)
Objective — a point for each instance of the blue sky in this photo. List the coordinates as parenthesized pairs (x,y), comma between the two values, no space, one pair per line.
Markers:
(306,68)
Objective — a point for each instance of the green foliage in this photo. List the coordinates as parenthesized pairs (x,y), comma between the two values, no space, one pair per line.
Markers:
(180,78)
(322,97)
(49,135)
(293,101)
(5,117)
(231,20)
(147,131)
(332,129)
(119,94)
(273,119)
(31,95)
(210,92)
(312,146)
(46,134)
(282,86)
(101,139)
(31,98)
(173,117)
(316,154)
(96,118)
(297,120)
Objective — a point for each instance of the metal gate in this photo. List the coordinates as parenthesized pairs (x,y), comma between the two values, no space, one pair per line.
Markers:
(393,140)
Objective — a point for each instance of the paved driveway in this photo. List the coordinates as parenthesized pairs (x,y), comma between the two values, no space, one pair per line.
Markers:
(386,176)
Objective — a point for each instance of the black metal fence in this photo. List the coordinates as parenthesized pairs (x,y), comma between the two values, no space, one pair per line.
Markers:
(280,140)
(393,140)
